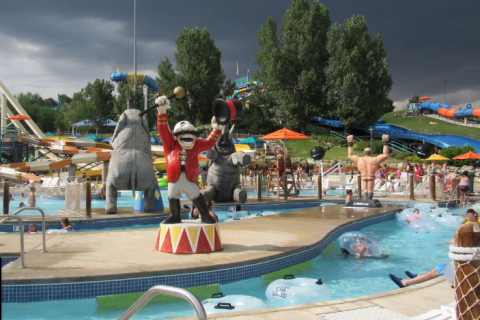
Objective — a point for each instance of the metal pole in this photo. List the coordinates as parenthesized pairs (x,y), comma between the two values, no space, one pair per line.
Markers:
(320,187)
(411,178)
(134,48)
(88,197)
(285,188)
(259,185)
(359,186)
(6,196)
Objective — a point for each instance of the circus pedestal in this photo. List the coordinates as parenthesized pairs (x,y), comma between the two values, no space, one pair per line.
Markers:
(189,237)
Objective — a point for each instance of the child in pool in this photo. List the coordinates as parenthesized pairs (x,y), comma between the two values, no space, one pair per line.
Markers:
(32,228)
(415,217)
(66,224)
(349,196)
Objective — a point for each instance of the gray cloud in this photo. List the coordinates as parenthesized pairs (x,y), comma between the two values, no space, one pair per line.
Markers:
(54,46)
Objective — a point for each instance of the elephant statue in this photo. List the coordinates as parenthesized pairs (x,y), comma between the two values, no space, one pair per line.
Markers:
(224,171)
(131,165)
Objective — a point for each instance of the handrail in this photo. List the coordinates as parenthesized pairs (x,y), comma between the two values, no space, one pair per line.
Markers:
(22,245)
(43,222)
(337,166)
(168,290)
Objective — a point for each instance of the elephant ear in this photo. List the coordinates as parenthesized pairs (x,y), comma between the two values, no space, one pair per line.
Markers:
(120,125)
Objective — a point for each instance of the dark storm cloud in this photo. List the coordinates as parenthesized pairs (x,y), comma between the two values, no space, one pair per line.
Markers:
(58,45)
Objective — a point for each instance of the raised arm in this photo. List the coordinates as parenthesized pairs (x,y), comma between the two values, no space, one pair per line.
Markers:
(351,156)
(384,156)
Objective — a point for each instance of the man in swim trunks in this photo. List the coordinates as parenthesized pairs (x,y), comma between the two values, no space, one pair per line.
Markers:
(367,165)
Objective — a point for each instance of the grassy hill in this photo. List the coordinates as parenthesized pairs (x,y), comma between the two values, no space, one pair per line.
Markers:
(302,148)
(419,123)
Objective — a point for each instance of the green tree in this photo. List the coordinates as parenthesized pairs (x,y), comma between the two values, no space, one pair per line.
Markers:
(293,67)
(198,70)
(94,103)
(414,99)
(258,117)
(358,78)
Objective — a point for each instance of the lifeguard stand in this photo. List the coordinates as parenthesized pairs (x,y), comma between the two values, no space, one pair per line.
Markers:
(275,178)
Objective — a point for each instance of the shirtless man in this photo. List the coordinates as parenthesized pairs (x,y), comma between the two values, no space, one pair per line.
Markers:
(368,165)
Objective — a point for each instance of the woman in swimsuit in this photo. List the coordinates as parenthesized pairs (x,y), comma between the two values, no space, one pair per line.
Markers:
(464,187)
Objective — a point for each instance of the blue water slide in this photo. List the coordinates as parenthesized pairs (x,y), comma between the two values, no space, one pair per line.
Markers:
(440,140)
(449,112)
(141,78)
(328,121)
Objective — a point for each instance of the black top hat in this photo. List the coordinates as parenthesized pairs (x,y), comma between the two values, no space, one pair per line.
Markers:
(227,110)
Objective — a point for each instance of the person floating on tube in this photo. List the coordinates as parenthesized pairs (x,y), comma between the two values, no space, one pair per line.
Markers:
(367,165)
(181,154)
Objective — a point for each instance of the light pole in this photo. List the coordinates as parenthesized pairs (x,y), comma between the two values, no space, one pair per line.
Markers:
(134,48)
(371,138)
(445,90)
(247,74)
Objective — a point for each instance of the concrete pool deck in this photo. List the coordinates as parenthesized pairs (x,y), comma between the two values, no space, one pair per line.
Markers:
(78,256)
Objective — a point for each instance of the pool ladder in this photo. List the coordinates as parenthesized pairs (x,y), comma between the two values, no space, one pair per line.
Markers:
(168,290)
(20,221)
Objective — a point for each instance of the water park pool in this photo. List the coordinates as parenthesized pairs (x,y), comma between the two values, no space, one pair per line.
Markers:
(345,275)
(51,204)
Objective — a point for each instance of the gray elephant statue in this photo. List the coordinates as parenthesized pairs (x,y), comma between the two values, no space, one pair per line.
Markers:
(224,171)
(131,165)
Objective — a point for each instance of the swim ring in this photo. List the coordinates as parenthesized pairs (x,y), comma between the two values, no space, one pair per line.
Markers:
(410,215)
(448,222)
(449,273)
(292,291)
(162,182)
(233,214)
(232,303)
(360,245)
(58,231)
(424,226)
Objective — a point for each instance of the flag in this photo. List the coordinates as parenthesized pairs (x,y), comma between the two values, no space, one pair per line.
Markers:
(237,68)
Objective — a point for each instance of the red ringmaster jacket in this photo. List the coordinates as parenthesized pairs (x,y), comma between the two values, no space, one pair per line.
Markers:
(174,154)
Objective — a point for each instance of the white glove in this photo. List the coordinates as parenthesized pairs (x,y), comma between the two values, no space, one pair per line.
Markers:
(215,125)
(163,104)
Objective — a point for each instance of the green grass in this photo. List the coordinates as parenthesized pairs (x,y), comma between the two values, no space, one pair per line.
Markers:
(302,148)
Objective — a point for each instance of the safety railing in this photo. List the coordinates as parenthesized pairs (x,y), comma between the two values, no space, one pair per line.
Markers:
(22,246)
(335,168)
(399,146)
(168,290)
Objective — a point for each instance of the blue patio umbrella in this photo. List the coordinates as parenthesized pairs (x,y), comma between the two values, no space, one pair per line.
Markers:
(94,137)
(49,134)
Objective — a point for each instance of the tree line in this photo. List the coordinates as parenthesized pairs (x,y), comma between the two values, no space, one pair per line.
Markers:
(307,66)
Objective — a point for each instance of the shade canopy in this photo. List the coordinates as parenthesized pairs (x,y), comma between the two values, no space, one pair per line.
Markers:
(424,98)
(285,134)
(87,123)
(251,140)
(19,117)
(467,156)
(436,157)
(49,134)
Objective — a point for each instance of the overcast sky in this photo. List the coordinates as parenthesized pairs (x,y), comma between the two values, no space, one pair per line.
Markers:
(58,46)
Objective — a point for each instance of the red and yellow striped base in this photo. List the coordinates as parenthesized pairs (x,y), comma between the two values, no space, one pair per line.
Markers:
(188,237)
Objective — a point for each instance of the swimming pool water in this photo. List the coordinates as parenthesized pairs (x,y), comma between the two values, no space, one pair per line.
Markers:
(345,275)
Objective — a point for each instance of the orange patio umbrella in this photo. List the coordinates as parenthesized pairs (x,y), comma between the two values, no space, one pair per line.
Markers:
(285,134)
(424,98)
(19,117)
(468,156)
